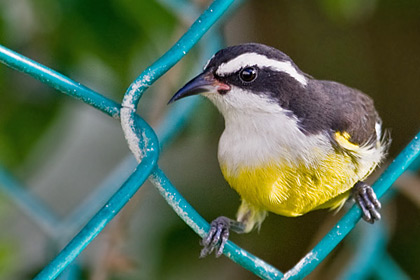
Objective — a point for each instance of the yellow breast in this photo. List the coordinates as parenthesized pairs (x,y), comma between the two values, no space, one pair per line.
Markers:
(293,190)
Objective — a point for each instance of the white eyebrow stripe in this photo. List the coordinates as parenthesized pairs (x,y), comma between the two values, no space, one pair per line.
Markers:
(252,59)
(208,62)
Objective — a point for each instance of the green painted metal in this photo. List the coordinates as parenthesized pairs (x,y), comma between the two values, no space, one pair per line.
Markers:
(179,113)
(401,163)
(58,81)
(207,19)
(370,256)
(143,142)
(371,246)
(33,207)
(100,220)
(386,269)
(188,214)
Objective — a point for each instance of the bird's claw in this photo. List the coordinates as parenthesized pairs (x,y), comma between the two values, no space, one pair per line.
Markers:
(216,237)
(366,198)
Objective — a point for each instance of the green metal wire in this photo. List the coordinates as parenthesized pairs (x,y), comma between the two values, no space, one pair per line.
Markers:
(133,94)
(371,246)
(307,264)
(99,221)
(58,81)
(28,203)
(188,214)
(206,20)
(386,268)
(143,142)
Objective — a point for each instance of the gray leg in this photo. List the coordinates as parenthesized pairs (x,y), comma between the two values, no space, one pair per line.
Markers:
(219,234)
(366,198)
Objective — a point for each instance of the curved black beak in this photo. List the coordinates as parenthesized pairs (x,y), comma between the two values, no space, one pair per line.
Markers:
(205,82)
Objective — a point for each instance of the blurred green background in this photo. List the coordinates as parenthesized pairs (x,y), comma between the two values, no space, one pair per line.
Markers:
(62,148)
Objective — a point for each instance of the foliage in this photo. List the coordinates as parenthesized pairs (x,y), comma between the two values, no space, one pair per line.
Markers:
(103,44)
(369,44)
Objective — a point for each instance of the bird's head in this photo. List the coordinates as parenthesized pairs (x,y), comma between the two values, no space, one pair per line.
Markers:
(247,78)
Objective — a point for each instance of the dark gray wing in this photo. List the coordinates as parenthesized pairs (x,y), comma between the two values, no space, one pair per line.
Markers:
(354,112)
(331,106)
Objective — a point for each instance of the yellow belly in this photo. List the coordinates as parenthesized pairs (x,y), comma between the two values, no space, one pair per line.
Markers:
(297,189)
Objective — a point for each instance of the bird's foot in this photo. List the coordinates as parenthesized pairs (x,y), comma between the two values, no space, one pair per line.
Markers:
(218,235)
(366,198)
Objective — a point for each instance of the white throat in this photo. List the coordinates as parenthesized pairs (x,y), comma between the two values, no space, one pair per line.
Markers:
(258,131)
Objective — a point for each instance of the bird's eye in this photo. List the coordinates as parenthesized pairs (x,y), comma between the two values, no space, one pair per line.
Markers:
(248,74)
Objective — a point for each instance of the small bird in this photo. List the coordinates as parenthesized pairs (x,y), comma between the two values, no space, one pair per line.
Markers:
(291,143)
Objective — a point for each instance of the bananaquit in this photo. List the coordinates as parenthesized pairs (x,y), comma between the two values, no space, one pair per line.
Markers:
(291,144)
